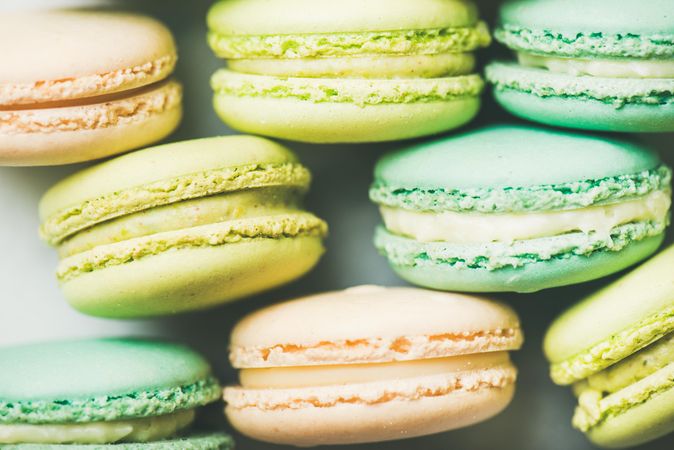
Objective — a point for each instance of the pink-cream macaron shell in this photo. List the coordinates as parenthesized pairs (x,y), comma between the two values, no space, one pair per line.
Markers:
(86,131)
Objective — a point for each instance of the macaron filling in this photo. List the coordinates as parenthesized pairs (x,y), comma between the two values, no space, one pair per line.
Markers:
(141,429)
(606,68)
(450,226)
(319,45)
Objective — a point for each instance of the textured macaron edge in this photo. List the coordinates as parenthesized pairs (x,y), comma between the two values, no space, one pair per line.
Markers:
(101,113)
(613,91)
(594,409)
(373,393)
(107,408)
(375,350)
(70,220)
(406,252)
(214,441)
(361,92)
(584,44)
(212,235)
(88,86)
(317,45)
(572,195)
(614,348)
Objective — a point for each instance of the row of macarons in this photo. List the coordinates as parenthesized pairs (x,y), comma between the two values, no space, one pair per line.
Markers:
(331,72)
(367,364)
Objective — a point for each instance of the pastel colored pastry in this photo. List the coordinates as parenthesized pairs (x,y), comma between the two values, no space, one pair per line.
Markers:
(371,364)
(181,227)
(585,65)
(77,86)
(617,348)
(347,71)
(121,394)
(510,208)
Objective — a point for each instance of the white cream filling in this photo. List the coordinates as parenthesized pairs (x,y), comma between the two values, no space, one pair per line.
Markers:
(144,429)
(609,68)
(412,66)
(487,227)
(313,376)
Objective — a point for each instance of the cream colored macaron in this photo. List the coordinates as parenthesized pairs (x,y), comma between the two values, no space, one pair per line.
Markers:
(82,85)
(371,364)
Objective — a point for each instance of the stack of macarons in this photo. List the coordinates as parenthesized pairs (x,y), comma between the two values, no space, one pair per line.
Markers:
(588,64)
(67,95)
(371,364)
(123,394)
(160,231)
(622,366)
(347,71)
(513,208)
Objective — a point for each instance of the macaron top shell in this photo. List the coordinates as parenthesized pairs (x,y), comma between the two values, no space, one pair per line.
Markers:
(614,323)
(103,379)
(50,56)
(265,17)
(163,175)
(624,17)
(373,324)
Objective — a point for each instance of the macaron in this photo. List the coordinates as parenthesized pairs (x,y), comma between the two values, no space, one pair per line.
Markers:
(513,208)
(347,71)
(82,85)
(122,394)
(617,348)
(371,364)
(181,227)
(588,64)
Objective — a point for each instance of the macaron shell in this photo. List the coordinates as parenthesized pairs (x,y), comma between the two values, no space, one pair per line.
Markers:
(260,17)
(530,277)
(353,423)
(642,423)
(197,442)
(109,52)
(192,278)
(70,134)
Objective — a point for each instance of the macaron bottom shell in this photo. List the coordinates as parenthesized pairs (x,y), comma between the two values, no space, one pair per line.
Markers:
(91,128)
(531,277)
(289,118)
(361,423)
(587,114)
(198,442)
(192,278)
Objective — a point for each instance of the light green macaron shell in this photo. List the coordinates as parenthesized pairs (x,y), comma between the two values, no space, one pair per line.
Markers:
(512,169)
(100,380)
(198,442)
(158,231)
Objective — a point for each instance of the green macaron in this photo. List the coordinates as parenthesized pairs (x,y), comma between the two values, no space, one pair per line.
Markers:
(617,347)
(181,227)
(348,71)
(585,64)
(119,393)
(510,208)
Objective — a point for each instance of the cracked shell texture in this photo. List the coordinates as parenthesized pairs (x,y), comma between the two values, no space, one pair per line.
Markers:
(365,313)
(52,56)
(107,378)
(262,17)
(197,442)
(641,295)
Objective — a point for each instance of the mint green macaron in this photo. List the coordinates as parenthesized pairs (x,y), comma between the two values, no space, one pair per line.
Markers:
(121,393)
(585,65)
(181,227)
(346,71)
(617,348)
(510,208)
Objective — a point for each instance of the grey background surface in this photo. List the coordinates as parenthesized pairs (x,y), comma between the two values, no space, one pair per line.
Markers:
(32,308)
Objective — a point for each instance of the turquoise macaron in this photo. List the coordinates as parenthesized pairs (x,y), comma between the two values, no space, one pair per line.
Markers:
(100,393)
(514,208)
(588,64)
